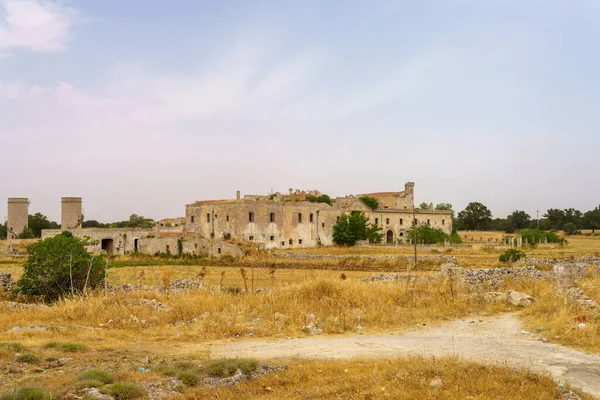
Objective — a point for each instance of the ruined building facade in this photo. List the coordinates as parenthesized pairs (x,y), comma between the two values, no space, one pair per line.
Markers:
(273,220)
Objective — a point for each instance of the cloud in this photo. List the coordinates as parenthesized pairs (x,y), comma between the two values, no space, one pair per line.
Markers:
(35,25)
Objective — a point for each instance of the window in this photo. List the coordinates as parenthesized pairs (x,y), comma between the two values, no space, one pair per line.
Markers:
(299,241)
(387,221)
(415,222)
(323,225)
(337,219)
(443,222)
(401,233)
(219,250)
(401,221)
(192,219)
(272,217)
(299,217)
(376,221)
(251,216)
(291,242)
(250,238)
(310,218)
(227,218)
(272,238)
(428,222)
(282,243)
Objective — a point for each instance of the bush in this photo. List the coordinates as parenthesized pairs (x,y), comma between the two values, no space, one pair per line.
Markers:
(28,358)
(55,263)
(534,236)
(351,228)
(227,368)
(26,394)
(16,347)
(428,235)
(123,390)
(570,228)
(188,378)
(511,255)
(89,383)
(370,202)
(96,375)
(66,347)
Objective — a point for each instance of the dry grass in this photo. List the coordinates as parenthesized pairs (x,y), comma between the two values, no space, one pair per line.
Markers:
(559,320)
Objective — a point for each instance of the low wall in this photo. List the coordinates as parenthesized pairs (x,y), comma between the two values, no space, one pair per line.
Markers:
(307,256)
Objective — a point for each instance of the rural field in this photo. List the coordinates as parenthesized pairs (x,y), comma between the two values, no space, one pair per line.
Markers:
(288,324)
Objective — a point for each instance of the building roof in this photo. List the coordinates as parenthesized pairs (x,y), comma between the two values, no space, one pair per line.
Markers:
(383,194)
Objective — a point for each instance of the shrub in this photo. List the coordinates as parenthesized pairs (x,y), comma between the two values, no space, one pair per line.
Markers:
(66,347)
(123,390)
(26,394)
(511,255)
(58,266)
(570,228)
(370,202)
(96,375)
(227,368)
(16,347)
(534,236)
(188,378)
(89,383)
(28,358)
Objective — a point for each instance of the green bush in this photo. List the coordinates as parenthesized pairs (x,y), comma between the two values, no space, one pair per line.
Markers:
(123,390)
(570,228)
(188,378)
(89,383)
(28,358)
(429,235)
(535,236)
(227,368)
(66,347)
(96,375)
(351,228)
(16,347)
(59,266)
(511,255)
(26,394)
(370,202)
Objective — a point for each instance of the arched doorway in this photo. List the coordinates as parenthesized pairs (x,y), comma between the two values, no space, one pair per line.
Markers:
(389,237)
(107,245)
(135,245)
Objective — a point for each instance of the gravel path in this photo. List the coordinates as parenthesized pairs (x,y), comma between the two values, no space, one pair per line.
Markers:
(492,340)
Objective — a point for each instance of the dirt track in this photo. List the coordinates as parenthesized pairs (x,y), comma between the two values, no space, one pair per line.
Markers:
(492,340)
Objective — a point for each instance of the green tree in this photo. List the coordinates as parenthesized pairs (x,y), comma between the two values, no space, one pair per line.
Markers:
(3,231)
(423,206)
(60,266)
(351,228)
(555,219)
(516,221)
(475,216)
(318,199)
(37,222)
(591,219)
(92,223)
(26,234)
(570,228)
(135,221)
(370,202)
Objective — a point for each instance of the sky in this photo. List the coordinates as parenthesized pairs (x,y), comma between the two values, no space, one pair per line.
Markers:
(143,106)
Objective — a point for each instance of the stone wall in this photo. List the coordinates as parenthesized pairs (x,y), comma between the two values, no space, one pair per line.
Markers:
(6,281)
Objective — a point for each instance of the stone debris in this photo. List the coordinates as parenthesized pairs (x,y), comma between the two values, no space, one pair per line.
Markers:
(157,305)
(239,376)
(577,297)
(7,283)
(436,383)
(305,256)
(495,297)
(186,284)
(27,328)
(519,299)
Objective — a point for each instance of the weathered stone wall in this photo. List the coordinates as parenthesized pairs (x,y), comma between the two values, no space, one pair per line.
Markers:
(71,213)
(6,281)
(18,212)
(113,241)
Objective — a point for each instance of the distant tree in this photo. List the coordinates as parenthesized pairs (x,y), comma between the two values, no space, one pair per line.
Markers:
(570,228)
(497,224)
(370,202)
(92,223)
(37,222)
(26,234)
(555,219)
(135,221)
(60,266)
(591,219)
(475,216)
(3,231)
(318,199)
(423,206)
(516,221)
(444,207)
(351,228)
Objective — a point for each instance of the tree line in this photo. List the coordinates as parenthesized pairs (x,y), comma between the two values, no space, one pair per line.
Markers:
(38,222)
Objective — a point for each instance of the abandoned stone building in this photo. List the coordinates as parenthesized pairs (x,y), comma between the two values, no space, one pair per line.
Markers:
(274,220)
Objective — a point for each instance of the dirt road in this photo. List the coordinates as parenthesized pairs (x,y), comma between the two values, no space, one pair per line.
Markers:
(493,340)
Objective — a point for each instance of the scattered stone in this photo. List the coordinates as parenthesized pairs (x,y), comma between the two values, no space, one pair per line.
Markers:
(94,393)
(6,281)
(239,376)
(27,328)
(157,305)
(436,383)
(495,297)
(519,299)
(582,325)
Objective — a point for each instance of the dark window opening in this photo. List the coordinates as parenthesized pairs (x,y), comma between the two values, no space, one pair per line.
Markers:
(208,217)
(376,221)
(168,251)
(310,217)
(401,233)
(322,224)
(272,238)
(250,238)
(299,241)
(428,222)
(401,221)
(227,218)
(135,245)
(337,219)
(415,222)
(272,217)
(193,219)
(387,221)
(291,241)
(299,217)
(443,222)
(107,245)
(219,250)
(251,216)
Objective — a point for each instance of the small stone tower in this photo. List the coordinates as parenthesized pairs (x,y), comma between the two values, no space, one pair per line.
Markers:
(18,213)
(71,216)
(409,190)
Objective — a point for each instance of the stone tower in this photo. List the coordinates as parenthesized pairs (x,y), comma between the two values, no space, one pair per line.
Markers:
(71,215)
(409,190)
(18,212)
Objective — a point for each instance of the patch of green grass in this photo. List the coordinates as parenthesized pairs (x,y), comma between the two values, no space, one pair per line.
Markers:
(28,358)
(26,394)
(16,347)
(96,375)
(227,368)
(169,370)
(123,390)
(66,347)
(89,383)
(50,359)
(188,378)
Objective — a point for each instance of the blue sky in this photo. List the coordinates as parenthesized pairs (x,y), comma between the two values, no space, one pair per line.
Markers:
(144,106)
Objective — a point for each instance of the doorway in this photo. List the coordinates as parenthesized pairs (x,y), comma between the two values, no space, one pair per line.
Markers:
(389,237)
(107,246)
